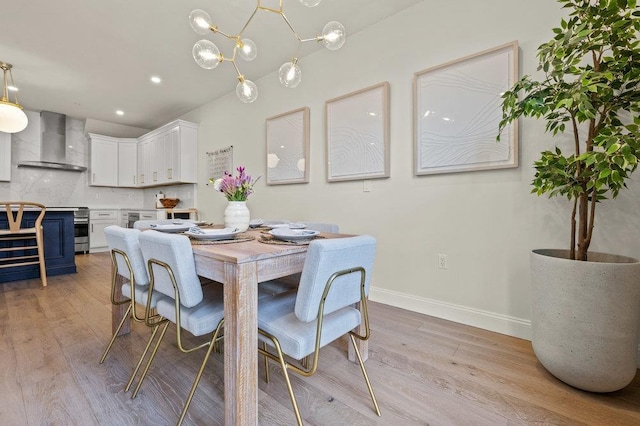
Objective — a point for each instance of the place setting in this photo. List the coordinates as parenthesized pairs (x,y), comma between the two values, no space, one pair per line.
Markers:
(199,235)
(173,228)
(289,236)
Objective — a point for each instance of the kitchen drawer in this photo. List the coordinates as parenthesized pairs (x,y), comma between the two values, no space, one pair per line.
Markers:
(103,214)
(148,215)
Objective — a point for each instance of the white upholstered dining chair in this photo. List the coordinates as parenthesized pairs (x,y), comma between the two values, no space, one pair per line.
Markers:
(128,267)
(336,275)
(196,309)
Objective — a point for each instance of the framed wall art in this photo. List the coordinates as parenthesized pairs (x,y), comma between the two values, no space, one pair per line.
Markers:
(358,134)
(457,110)
(288,147)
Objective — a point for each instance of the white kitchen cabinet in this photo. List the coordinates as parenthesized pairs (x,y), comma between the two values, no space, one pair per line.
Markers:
(98,220)
(171,155)
(127,162)
(143,162)
(104,160)
(124,218)
(148,215)
(5,156)
(157,159)
(183,160)
(165,156)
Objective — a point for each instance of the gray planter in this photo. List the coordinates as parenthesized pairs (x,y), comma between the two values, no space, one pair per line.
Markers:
(585,318)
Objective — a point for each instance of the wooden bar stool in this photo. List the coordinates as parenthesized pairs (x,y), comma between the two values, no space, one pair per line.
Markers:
(19,237)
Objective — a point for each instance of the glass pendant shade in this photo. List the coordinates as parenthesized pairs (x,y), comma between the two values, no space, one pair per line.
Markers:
(200,21)
(247,91)
(206,54)
(290,74)
(12,118)
(310,3)
(248,50)
(333,35)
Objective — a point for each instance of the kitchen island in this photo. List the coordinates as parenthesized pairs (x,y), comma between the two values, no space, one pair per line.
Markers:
(58,235)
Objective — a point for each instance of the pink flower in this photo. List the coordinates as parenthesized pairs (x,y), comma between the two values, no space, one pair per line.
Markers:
(235,188)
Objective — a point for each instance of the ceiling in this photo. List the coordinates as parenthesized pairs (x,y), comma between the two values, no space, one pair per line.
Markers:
(88,58)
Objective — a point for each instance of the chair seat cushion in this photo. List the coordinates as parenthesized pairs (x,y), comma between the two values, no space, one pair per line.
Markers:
(142,292)
(200,319)
(297,338)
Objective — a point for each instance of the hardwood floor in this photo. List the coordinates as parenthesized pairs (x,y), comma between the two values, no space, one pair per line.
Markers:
(424,371)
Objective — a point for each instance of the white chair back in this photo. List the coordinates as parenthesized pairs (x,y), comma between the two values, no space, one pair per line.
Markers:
(324,258)
(127,241)
(174,250)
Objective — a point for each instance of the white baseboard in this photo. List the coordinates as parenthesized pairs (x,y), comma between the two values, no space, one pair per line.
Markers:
(504,324)
(499,323)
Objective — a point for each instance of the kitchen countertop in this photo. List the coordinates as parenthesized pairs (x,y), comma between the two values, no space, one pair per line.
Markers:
(62,209)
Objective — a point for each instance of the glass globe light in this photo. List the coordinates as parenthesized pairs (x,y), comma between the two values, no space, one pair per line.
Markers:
(333,35)
(206,54)
(247,49)
(310,3)
(12,118)
(290,74)
(246,90)
(200,21)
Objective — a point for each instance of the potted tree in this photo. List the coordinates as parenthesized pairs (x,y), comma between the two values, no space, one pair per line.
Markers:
(586,305)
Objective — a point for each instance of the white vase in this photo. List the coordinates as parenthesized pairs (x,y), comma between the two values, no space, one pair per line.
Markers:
(236,215)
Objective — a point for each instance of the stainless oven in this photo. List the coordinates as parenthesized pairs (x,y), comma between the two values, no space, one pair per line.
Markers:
(132,218)
(81,229)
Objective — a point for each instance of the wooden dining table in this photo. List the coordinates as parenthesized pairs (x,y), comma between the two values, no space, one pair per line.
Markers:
(240,267)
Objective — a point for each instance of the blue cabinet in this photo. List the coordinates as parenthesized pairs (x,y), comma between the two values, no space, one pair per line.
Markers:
(58,246)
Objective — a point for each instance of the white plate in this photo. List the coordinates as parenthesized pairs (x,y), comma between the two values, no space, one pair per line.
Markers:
(293,234)
(214,234)
(285,225)
(276,225)
(173,227)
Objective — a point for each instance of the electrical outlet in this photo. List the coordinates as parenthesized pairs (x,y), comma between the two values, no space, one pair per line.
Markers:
(442,261)
(366,186)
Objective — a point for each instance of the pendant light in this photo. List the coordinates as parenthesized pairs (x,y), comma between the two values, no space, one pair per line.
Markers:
(208,56)
(12,118)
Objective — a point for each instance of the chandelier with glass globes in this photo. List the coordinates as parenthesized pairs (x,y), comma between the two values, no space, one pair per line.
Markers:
(208,56)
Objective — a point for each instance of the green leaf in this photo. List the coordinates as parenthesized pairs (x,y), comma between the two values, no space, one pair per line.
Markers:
(613,148)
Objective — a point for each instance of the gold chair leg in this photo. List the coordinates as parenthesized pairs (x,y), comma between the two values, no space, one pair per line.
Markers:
(288,382)
(198,376)
(153,355)
(115,334)
(142,357)
(306,361)
(364,373)
(267,377)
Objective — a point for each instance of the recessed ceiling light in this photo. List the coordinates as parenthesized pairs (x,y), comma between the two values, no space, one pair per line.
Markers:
(120,112)
(12,88)
(155,79)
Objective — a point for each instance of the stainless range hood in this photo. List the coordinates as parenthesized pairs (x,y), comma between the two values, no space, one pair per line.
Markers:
(53,146)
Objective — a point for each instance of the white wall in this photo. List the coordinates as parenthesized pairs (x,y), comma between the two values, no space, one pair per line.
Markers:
(486,222)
